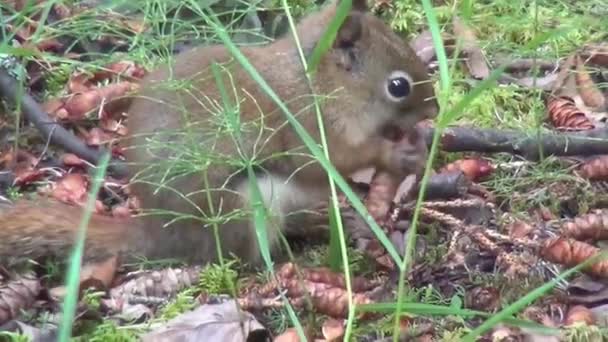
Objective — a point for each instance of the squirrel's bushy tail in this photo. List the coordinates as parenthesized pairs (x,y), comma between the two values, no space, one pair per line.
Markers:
(45,228)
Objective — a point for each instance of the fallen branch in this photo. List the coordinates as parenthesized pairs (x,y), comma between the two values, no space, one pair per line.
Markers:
(51,130)
(527,145)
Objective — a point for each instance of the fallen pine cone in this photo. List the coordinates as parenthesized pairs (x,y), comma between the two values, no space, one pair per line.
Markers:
(325,289)
(564,114)
(569,252)
(590,226)
(596,168)
(164,283)
(323,275)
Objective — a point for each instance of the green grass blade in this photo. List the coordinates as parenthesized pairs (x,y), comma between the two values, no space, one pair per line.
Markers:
(462,105)
(440,310)
(259,221)
(73,275)
(338,252)
(446,83)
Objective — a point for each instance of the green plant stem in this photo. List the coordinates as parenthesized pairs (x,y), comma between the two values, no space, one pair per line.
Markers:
(73,275)
(445,86)
(345,6)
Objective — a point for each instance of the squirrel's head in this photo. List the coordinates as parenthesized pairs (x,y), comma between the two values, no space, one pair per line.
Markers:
(382,80)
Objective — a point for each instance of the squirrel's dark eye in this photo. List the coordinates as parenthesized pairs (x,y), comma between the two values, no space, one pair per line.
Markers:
(398,85)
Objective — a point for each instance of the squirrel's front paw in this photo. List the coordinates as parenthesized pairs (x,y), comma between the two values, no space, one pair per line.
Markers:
(409,157)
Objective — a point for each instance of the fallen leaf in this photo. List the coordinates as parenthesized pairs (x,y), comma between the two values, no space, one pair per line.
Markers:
(97,136)
(579,314)
(565,85)
(333,329)
(18,294)
(71,188)
(128,70)
(210,322)
(79,104)
(475,61)
(519,229)
(70,159)
(99,275)
(588,90)
(289,335)
(596,54)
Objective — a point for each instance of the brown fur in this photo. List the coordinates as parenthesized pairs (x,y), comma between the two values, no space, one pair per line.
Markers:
(174,128)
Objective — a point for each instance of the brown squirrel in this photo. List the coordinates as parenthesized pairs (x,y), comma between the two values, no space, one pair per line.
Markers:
(371,78)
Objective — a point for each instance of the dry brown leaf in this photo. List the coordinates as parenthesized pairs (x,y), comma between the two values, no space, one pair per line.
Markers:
(113,126)
(563,85)
(71,188)
(127,70)
(519,229)
(210,322)
(588,90)
(78,105)
(476,61)
(70,159)
(333,329)
(99,275)
(97,136)
(579,314)
(289,335)
(79,83)
(19,294)
(23,165)
(596,54)
(423,45)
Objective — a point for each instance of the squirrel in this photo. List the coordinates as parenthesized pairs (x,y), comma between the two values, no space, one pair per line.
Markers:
(188,175)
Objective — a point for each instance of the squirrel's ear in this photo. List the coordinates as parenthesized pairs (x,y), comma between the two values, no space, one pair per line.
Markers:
(349,32)
(359,5)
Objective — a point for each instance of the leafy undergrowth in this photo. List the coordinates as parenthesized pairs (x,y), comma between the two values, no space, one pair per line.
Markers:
(494,227)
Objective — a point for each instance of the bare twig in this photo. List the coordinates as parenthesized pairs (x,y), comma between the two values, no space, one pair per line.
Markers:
(50,130)
(527,145)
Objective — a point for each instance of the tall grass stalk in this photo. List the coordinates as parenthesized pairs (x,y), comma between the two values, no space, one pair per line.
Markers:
(444,90)
(336,226)
(73,275)
(260,213)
